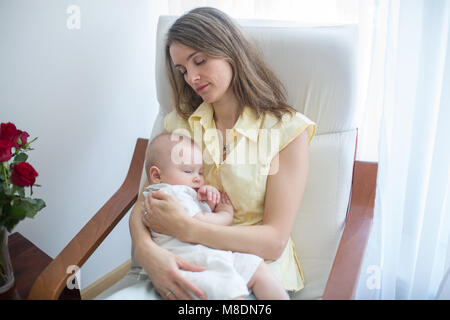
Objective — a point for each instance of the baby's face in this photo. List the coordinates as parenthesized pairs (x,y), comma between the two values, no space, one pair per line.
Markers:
(186,169)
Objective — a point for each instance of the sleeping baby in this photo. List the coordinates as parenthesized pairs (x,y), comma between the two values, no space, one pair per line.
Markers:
(174,165)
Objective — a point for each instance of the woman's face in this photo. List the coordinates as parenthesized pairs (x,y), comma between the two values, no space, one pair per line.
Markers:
(209,77)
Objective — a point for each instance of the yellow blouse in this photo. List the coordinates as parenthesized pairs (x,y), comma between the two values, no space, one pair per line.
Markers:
(243,174)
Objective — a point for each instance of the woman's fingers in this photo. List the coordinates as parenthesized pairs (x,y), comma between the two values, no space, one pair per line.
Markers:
(146,213)
(178,287)
(153,200)
(188,286)
(178,293)
(173,293)
(184,283)
(188,266)
(159,195)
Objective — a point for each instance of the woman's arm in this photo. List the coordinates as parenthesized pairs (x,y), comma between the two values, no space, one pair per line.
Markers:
(282,200)
(140,235)
(223,215)
(221,218)
(161,265)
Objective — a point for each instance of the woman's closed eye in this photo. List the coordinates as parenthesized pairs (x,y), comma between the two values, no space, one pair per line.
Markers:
(199,62)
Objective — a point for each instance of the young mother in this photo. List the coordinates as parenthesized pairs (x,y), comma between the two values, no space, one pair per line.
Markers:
(220,82)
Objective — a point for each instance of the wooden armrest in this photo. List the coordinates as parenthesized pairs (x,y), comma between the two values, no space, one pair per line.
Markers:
(52,280)
(344,273)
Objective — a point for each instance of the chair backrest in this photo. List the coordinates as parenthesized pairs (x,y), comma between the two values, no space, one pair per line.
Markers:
(317,66)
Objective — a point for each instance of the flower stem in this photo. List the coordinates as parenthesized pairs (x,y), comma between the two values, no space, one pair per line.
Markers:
(4,173)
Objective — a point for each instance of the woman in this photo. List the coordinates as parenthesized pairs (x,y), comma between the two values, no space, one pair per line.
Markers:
(219,82)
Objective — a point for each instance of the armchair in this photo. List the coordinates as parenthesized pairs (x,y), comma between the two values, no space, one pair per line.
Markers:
(318,67)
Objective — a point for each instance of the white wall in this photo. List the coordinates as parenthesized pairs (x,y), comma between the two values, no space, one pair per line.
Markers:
(87,95)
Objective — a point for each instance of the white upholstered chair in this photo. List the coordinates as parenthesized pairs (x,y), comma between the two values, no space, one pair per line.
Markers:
(317,65)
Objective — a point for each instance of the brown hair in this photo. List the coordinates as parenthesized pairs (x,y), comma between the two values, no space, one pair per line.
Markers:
(212,32)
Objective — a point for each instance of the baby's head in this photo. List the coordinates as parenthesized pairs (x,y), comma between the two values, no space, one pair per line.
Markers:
(174,159)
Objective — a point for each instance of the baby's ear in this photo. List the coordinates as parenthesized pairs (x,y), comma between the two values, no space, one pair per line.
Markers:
(155,175)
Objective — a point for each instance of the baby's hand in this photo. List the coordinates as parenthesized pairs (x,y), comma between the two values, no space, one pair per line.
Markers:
(225,204)
(209,194)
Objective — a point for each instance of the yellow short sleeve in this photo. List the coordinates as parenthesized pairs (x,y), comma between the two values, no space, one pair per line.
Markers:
(292,126)
(172,122)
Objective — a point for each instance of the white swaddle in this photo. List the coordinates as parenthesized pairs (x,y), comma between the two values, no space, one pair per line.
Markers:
(226,273)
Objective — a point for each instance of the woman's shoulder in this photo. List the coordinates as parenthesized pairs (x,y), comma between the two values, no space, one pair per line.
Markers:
(173,121)
(287,120)
(289,126)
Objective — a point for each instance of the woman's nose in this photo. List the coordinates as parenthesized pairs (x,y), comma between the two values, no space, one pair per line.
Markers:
(193,77)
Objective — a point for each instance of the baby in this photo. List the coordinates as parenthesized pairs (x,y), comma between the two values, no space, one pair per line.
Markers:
(174,165)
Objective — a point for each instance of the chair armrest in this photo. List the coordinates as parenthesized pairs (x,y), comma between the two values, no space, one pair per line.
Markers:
(344,273)
(51,282)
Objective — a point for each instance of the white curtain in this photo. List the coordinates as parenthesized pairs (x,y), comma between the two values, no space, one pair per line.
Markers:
(409,246)
(306,11)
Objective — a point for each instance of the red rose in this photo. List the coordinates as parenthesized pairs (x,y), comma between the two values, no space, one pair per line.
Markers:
(5,150)
(23,174)
(8,131)
(23,139)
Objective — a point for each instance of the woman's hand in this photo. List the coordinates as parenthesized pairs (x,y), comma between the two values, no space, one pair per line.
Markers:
(163,268)
(165,215)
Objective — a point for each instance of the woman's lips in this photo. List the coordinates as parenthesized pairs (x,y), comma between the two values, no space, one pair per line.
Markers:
(198,89)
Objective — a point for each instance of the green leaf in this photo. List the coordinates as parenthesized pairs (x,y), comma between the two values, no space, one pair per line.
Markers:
(21,191)
(11,223)
(21,157)
(32,206)
(38,204)
(18,210)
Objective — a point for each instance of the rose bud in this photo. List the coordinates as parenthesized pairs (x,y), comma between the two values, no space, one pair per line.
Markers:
(23,139)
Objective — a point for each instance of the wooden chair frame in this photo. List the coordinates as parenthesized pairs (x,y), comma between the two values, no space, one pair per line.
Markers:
(344,274)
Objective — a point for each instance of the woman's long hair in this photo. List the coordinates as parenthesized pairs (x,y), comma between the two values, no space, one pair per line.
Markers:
(212,32)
